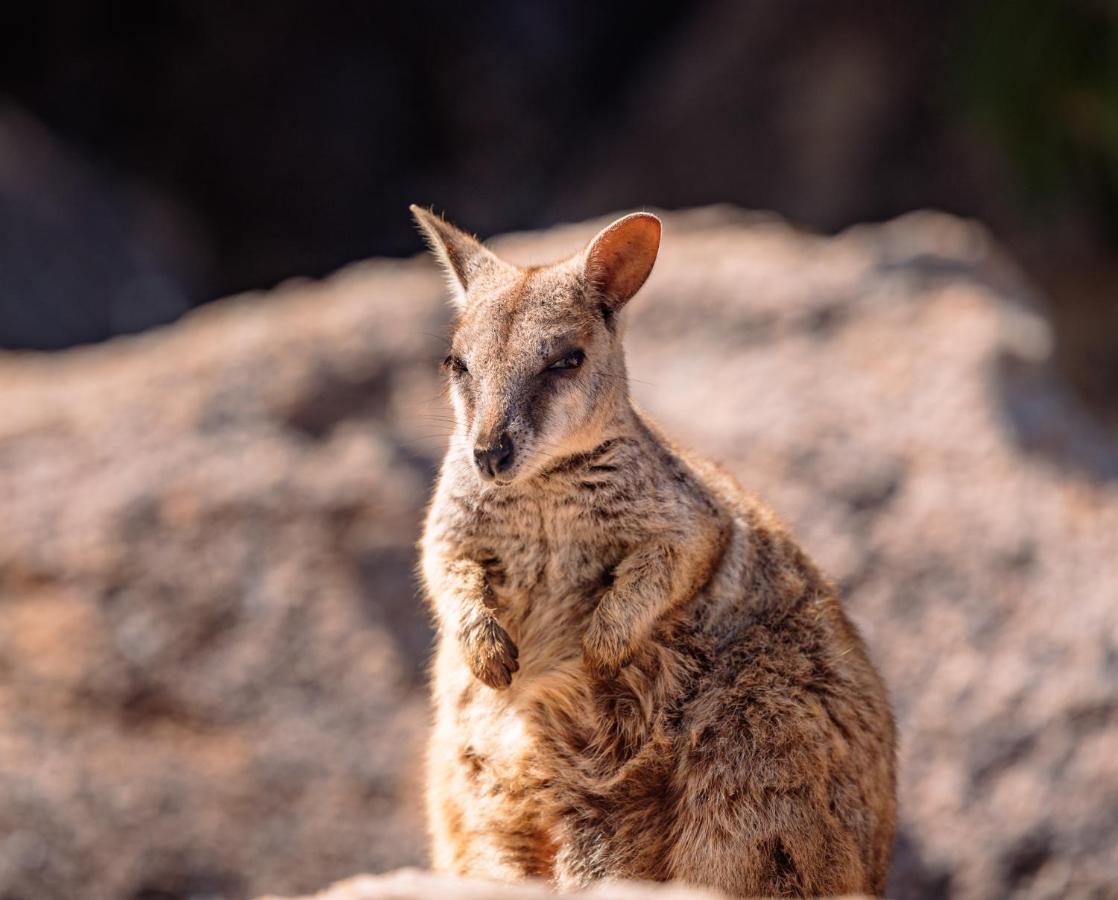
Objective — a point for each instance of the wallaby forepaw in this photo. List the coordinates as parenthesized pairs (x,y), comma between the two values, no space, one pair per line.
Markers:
(490,652)
(604,653)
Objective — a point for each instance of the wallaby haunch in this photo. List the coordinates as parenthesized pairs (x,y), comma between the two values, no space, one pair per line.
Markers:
(639,673)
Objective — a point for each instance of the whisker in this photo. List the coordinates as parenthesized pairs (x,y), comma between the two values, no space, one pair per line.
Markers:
(428,400)
(408,442)
(624,378)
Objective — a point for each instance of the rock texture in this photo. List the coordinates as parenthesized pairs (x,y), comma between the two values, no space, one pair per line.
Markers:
(411,884)
(211,652)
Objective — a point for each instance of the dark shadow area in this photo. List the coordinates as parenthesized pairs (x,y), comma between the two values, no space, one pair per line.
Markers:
(159,156)
(914,878)
(1046,418)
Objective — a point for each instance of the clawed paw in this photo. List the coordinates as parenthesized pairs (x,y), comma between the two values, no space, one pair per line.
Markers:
(603,653)
(491,654)
(605,669)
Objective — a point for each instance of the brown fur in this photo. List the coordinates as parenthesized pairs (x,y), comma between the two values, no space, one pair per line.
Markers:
(639,673)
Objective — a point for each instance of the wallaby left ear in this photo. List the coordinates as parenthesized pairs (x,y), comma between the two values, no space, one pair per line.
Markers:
(463,256)
(620,258)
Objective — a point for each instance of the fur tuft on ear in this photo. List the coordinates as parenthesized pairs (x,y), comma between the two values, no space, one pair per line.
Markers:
(462,255)
(620,258)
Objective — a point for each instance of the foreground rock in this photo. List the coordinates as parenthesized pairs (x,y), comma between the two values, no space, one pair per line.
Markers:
(410,884)
(212,656)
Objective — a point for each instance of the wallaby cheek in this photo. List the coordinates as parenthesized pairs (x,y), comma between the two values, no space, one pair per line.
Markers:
(568,414)
(462,402)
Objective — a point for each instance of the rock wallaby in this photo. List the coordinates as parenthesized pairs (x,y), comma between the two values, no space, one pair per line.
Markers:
(639,673)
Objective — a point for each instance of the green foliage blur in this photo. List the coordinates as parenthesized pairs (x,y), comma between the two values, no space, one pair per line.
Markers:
(1040,77)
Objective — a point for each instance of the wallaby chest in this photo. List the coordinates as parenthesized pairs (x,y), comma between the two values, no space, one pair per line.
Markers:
(545,556)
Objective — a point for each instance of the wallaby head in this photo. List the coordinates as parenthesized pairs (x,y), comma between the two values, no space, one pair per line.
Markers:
(536,366)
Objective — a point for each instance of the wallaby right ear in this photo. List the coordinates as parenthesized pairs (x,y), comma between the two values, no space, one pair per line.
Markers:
(462,255)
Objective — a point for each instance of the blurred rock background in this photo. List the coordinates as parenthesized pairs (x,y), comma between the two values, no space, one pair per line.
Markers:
(212,656)
(212,653)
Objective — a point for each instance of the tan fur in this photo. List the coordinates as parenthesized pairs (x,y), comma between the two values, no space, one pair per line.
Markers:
(639,674)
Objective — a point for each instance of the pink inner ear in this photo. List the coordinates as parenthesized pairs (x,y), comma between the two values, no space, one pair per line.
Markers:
(620,258)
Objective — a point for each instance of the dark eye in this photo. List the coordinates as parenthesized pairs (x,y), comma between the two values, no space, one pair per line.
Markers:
(572,360)
(454,365)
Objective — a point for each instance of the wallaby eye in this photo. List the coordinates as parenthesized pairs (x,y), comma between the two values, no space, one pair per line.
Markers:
(455,365)
(572,360)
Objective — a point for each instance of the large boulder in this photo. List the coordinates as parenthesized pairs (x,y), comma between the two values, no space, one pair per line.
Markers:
(212,656)
(212,652)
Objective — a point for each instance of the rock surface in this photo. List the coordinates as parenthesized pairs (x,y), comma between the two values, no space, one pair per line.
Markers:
(211,651)
(411,884)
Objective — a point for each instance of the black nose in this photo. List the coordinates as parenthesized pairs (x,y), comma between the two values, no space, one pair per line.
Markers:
(491,461)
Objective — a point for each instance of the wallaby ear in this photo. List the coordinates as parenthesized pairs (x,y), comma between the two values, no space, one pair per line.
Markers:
(462,255)
(620,258)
